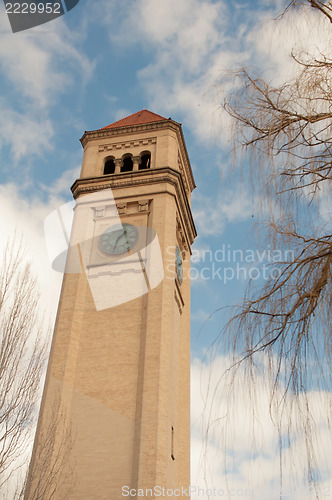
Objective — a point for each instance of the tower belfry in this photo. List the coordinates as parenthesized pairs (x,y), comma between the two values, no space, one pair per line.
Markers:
(115,408)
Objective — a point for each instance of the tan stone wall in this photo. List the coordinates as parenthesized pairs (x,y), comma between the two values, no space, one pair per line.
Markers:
(121,375)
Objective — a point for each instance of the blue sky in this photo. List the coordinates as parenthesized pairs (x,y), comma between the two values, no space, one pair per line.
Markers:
(100,63)
(105,60)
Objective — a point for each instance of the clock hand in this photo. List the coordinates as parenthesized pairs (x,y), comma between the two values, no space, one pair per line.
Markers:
(123,232)
(127,242)
(116,241)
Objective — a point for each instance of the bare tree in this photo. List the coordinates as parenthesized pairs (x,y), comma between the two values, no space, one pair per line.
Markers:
(287,131)
(23,349)
(51,473)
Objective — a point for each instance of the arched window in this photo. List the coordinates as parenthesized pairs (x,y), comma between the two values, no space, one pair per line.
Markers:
(145,160)
(127,163)
(109,166)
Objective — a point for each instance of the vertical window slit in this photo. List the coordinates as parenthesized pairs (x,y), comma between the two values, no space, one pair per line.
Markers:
(172,444)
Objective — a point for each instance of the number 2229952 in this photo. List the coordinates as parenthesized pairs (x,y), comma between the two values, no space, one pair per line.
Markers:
(33,8)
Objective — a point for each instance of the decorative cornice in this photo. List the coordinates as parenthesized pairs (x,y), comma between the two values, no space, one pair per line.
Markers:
(116,146)
(182,170)
(129,129)
(138,178)
(180,234)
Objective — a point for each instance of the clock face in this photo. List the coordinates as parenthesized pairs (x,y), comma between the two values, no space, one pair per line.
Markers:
(178,263)
(118,239)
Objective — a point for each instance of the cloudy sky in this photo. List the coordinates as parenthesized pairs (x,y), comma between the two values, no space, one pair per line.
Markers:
(102,61)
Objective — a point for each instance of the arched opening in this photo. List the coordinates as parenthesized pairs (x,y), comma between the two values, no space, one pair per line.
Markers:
(109,166)
(145,160)
(127,163)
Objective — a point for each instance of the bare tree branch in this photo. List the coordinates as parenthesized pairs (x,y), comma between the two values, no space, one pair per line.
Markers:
(287,132)
(23,350)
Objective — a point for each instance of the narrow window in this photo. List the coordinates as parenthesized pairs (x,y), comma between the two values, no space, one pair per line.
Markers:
(127,164)
(109,166)
(145,161)
(172,444)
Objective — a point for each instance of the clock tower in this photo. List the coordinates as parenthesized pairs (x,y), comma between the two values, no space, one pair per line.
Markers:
(114,419)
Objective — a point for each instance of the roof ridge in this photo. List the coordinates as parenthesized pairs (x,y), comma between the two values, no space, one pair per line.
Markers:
(138,118)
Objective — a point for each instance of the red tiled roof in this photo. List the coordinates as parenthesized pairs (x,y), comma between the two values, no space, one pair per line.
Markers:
(143,116)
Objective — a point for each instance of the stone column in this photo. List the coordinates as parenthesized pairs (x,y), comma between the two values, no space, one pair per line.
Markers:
(118,164)
(136,162)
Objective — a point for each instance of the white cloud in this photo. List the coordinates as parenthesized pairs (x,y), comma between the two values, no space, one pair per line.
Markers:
(235,444)
(190,54)
(233,205)
(200,108)
(325,206)
(187,44)
(60,186)
(184,31)
(40,63)
(26,217)
(300,31)
(26,136)
(192,43)
(191,46)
